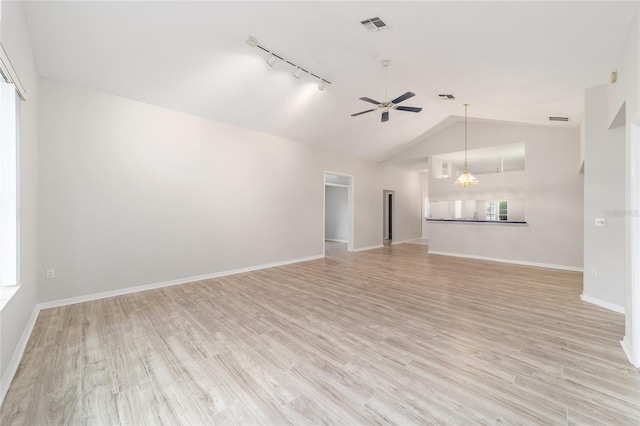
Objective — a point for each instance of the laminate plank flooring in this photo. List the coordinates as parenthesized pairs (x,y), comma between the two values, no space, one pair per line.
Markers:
(386,336)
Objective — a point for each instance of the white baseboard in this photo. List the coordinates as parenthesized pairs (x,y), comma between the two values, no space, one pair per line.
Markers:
(420,241)
(628,350)
(607,305)
(128,290)
(369,248)
(12,367)
(336,241)
(515,262)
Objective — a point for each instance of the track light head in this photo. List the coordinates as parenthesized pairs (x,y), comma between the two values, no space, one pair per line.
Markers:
(272,58)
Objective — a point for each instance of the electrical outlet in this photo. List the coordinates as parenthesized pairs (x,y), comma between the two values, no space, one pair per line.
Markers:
(594,272)
(50,274)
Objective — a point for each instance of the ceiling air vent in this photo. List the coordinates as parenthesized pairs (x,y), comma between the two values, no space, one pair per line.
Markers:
(374,24)
(558,118)
(447,97)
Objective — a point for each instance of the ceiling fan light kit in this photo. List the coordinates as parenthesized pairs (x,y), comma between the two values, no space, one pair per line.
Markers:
(297,70)
(466,179)
(387,105)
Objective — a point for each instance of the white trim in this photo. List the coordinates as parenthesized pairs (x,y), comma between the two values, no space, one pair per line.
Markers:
(336,241)
(12,367)
(632,298)
(129,290)
(515,262)
(369,247)
(419,241)
(10,73)
(628,350)
(607,305)
(7,292)
(350,207)
(407,241)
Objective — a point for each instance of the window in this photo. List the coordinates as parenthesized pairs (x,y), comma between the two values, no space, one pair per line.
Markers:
(502,210)
(497,210)
(9,184)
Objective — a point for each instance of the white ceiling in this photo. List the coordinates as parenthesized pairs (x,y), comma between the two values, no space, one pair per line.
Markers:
(512,61)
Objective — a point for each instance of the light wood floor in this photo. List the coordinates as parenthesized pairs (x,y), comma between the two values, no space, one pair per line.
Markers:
(392,335)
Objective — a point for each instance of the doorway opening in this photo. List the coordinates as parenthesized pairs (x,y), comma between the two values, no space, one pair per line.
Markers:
(338,213)
(425,214)
(388,215)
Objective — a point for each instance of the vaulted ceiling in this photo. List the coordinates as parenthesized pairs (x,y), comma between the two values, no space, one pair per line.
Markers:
(512,61)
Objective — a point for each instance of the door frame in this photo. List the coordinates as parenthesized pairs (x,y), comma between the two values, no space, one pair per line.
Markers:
(385,216)
(350,207)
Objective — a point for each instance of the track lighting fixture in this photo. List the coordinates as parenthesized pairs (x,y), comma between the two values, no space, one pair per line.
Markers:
(298,71)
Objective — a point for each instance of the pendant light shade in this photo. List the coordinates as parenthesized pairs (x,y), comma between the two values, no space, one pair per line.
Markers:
(466,179)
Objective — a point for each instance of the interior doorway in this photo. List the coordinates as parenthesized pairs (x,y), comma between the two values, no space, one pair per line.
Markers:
(425,215)
(338,231)
(388,215)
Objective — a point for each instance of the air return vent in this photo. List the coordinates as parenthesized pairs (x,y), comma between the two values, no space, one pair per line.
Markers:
(374,24)
(558,118)
(447,97)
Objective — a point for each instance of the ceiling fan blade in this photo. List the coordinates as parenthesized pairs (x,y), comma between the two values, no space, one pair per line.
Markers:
(370,100)
(385,116)
(411,109)
(363,112)
(402,97)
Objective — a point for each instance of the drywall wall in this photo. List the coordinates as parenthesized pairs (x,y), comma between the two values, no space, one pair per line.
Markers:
(132,194)
(15,315)
(336,220)
(624,96)
(604,197)
(551,187)
(424,190)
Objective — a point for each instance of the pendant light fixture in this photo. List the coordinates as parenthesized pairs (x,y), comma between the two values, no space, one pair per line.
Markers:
(466,179)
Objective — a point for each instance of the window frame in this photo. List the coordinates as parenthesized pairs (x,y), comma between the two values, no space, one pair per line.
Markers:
(10,260)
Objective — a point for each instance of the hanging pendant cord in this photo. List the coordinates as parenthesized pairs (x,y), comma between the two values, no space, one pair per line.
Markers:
(386,68)
(465,138)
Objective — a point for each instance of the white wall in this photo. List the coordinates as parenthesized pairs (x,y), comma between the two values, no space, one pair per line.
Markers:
(424,189)
(14,317)
(336,219)
(626,92)
(604,197)
(132,194)
(550,186)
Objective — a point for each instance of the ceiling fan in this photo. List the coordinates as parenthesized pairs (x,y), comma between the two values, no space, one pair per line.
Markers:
(386,105)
